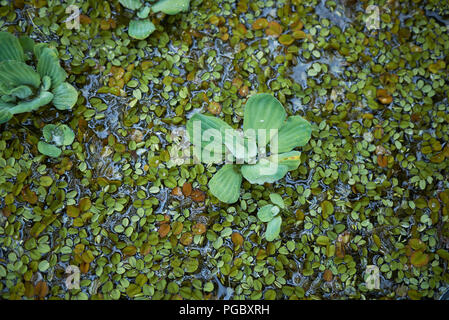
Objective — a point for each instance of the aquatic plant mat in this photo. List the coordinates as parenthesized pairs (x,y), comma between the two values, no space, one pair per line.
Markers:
(365,215)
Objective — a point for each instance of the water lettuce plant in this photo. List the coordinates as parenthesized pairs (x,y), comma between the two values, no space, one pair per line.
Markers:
(140,27)
(24,88)
(265,127)
(55,137)
(271,213)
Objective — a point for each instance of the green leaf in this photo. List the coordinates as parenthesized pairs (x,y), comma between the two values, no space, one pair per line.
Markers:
(327,208)
(131,4)
(16,73)
(443,254)
(69,135)
(49,149)
(277,199)
(65,96)
(171,6)
(48,65)
(38,49)
(266,213)
(322,240)
(8,98)
(46,83)
(5,114)
(264,171)
(241,147)
(419,259)
(58,134)
(10,48)
(144,12)
(225,184)
(291,159)
(263,112)
(296,132)
(43,99)
(273,228)
(27,45)
(272,168)
(207,133)
(47,131)
(140,29)
(21,92)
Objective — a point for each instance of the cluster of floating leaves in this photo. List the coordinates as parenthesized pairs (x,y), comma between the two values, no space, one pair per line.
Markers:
(372,188)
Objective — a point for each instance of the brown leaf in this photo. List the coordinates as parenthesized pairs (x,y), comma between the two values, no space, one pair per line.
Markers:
(164,229)
(85,19)
(214,108)
(145,249)
(186,238)
(274,29)
(187,189)
(28,195)
(73,211)
(382,161)
(199,228)
(327,275)
(6,211)
(198,195)
(237,82)
(84,267)
(237,239)
(384,97)
(41,289)
(244,91)
(339,250)
(177,192)
(259,24)
(129,251)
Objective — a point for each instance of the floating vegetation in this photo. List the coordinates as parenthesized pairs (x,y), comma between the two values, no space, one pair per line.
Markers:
(122,207)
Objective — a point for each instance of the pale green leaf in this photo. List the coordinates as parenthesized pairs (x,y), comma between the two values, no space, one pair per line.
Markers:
(265,113)
(65,96)
(27,45)
(207,133)
(171,6)
(38,49)
(16,73)
(131,4)
(5,113)
(273,228)
(43,99)
(21,92)
(265,213)
(48,65)
(144,12)
(48,149)
(277,199)
(265,171)
(225,184)
(58,134)
(10,48)
(295,132)
(291,159)
(140,29)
